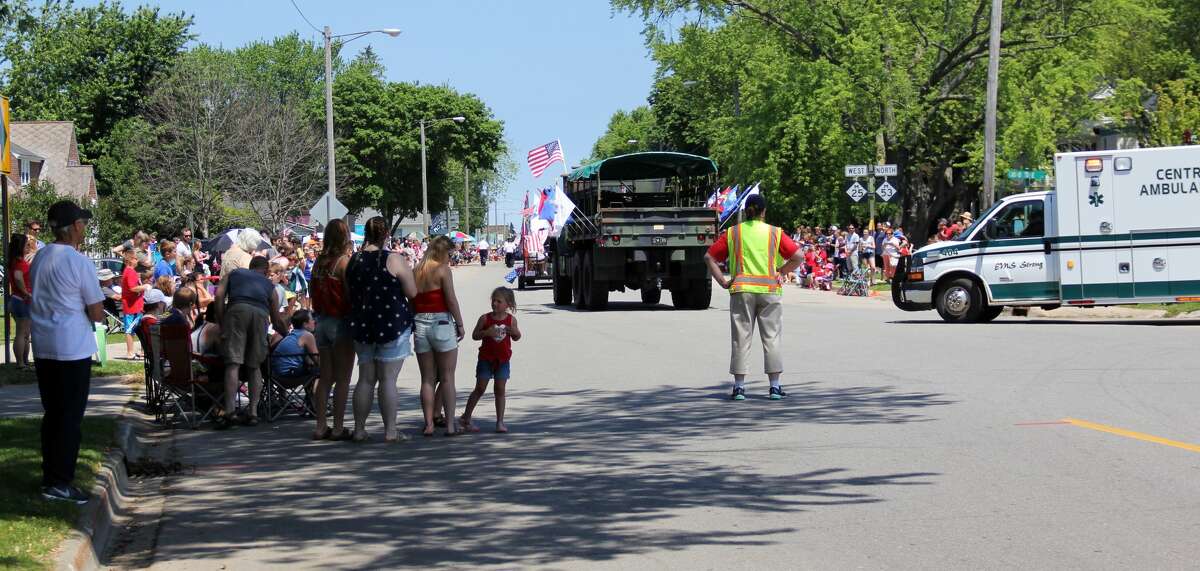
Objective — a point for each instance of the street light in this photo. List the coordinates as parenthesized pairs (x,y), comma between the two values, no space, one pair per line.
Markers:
(424,183)
(329,37)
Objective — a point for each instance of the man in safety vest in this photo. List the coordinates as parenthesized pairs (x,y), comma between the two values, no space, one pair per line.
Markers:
(759,256)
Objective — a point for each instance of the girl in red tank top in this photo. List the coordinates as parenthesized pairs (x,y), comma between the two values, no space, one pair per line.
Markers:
(497,329)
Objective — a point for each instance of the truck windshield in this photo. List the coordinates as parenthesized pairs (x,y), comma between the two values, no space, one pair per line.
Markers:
(982,217)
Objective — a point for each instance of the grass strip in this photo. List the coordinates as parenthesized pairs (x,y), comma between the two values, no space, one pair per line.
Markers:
(31,527)
(11,375)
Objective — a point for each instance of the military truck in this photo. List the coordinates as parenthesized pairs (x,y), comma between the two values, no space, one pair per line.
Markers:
(640,224)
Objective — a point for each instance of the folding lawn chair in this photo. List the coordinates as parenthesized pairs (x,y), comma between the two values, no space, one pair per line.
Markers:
(184,395)
(289,393)
(152,366)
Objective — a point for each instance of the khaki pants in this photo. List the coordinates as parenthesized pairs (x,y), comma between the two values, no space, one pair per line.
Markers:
(744,310)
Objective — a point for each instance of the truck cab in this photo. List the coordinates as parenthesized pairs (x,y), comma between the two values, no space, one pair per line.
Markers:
(1120,227)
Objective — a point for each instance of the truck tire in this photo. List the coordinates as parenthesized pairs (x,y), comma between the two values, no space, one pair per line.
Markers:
(960,301)
(597,290)
(651,295)
(562,289)
(680,296)
(700,294)
(991,313)
(577,283)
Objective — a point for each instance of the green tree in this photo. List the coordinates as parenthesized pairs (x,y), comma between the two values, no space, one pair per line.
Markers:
(379,141)
(638,126)
(91,65)
(787,92)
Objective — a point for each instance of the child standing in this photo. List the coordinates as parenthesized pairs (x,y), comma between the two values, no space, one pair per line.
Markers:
(497,329)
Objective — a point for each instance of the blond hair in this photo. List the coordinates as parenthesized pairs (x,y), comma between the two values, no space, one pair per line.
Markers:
(436,254)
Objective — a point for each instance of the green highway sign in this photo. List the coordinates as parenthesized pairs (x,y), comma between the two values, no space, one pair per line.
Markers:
(1026,174)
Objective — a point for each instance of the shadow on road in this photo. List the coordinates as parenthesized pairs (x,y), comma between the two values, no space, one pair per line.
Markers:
(585,475)
(1164,322)
(622,306)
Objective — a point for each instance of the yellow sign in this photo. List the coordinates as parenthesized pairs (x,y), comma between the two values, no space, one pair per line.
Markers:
(5,142)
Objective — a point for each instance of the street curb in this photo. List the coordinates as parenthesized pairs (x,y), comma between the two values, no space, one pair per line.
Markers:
(93,531)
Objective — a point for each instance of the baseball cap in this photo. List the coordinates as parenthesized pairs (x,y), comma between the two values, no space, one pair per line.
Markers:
(155,296)
(105,274)
(64,213)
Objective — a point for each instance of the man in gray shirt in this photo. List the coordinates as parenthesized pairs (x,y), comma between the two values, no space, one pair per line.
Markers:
(852,241)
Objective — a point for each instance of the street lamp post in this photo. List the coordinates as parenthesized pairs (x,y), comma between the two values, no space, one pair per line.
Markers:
(329,142)
(424,182)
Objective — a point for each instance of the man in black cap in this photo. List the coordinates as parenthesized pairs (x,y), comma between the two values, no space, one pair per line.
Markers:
(66,302)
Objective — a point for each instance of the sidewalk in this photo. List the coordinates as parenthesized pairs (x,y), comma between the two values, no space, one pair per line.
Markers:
(107,397)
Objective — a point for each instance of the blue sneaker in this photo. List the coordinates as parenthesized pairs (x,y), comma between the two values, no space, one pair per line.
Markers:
(739,393)
(69,494)
(776,393)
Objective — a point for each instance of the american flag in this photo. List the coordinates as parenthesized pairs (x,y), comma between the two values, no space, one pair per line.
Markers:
(543,156)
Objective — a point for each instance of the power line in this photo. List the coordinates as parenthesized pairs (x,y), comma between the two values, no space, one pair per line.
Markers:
(301,12)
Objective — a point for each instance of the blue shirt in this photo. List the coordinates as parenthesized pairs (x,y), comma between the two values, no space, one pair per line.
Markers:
(164,268)
(288,357)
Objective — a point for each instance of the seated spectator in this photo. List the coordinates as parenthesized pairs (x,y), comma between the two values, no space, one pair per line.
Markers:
(165,284)
(207,334)
(112,297)
(183,306)
(153,307)
(295,354)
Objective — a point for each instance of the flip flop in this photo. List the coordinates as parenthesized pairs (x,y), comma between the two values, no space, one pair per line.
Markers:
(343,436)
(323,435)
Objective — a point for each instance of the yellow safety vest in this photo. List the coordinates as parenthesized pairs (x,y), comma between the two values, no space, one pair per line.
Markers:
(753,253)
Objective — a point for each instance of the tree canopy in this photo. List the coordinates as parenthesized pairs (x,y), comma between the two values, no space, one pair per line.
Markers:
(788,92)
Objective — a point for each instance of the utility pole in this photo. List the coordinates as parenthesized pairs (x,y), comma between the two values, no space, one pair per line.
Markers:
(989,126)
(467,199)
(329,142)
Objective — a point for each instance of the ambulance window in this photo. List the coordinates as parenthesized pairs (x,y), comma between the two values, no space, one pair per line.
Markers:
(1018,220)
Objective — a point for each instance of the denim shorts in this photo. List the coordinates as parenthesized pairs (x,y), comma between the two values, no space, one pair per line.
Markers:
(492,370)
(435,332)
(331,331)
(18,308)
(130,321)
(395,350)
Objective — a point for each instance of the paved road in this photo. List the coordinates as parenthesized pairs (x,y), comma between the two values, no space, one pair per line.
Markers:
(905,443)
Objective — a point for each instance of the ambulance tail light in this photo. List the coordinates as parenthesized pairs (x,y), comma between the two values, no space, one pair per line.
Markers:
(701,238)
(616,238)
(1093,165)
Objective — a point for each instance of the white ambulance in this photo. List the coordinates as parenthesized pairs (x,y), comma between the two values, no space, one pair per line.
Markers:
(1120,227)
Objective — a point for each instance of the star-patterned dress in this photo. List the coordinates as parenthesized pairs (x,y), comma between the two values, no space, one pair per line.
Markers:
(379,312)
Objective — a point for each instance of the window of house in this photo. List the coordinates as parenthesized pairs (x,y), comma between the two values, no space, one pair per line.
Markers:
(24,166)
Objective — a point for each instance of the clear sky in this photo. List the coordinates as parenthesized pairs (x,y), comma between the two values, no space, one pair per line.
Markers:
(547,68)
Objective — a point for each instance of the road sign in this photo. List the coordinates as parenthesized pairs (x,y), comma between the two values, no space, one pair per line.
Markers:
(1026,174)
(5,144)
(328,208)
(886,191)
(885,170)
(856,170)
(856,192)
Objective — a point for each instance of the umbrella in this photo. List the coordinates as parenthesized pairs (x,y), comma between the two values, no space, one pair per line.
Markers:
(357,237)
(225,241)
(460,236)
(416,235)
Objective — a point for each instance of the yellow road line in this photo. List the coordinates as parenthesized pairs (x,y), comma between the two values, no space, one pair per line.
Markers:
(1132,434)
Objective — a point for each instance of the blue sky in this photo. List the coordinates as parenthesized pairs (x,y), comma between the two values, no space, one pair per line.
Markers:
(549,69)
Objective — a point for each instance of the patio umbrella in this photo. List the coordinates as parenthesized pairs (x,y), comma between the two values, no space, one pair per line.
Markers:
(416,235)
(460,236)
(225,241)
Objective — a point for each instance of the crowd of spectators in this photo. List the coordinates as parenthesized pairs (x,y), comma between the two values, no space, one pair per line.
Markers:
(835,253)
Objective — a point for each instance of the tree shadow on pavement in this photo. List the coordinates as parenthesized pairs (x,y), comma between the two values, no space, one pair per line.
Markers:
(587,475)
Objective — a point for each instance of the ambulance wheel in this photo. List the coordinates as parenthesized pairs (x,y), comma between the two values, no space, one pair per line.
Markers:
(651,295)
(991,313)
(960,301)
(562,289)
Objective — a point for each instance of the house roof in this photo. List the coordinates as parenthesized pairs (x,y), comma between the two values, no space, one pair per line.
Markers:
(22,152)
(54,141)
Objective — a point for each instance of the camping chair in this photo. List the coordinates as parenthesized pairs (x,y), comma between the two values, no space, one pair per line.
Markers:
(112,317)
(183,393)
(152,367)
(284,393)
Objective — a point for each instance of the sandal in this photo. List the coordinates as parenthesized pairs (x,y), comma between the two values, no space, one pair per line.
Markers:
(323,435)
(360,437)
(342,436)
